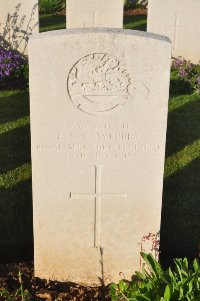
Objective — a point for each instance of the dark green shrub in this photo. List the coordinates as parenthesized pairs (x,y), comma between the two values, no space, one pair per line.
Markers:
(128,4)
(157,284)
(51,6)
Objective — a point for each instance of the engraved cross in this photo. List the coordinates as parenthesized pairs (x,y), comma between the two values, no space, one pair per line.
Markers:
(97,196)
(176,27)
(94,21)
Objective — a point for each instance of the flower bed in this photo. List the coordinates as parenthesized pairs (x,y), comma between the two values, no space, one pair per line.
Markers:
(185,77)
(13,70)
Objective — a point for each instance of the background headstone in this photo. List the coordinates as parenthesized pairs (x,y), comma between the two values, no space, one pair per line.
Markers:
(180,21)
(99,101)
(18,20)
(95,13)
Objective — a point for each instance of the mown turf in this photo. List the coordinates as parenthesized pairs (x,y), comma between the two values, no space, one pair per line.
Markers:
(181,199)
(135,22)
(16,234)
(55,22)
(52,22)
(180,229)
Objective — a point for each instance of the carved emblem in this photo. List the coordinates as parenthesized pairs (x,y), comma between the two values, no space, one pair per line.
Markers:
(99,84)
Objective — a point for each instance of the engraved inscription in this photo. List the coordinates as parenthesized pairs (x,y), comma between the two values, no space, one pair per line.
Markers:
(98,196)
(99,84)
(99,141)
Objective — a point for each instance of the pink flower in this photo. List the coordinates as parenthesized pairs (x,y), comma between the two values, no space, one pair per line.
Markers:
(183,73)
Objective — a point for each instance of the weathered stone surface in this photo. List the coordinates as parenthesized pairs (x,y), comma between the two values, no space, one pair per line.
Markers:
(99,101)
(94,13)
(180,21)
(18,20)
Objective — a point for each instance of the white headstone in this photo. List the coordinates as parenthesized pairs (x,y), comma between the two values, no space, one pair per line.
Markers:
(99,102)
(180,21)
(95,13)
(18,20)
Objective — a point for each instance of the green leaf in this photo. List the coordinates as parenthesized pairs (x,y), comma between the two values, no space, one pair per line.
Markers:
(178,267)
(191,285)
(152,263)
(181,293)
(171,274)
(167,293)
(113,286)
(140,275)
(4,293)
(122,286)
(142,298)
(196,265)
(185,261)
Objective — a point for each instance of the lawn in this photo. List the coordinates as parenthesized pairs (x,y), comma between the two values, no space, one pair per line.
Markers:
(181,199)
(55,22)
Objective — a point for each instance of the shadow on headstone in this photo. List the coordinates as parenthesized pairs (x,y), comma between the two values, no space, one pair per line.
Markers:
(16,30)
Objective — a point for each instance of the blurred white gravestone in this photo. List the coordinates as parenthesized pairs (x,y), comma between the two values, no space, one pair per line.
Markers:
(18,20)
(178,21)
(95,13)
(99,101)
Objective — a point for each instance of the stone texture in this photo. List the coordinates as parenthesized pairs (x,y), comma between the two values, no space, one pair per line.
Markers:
(18,20)
(94,13)
(99,101)
(180,21)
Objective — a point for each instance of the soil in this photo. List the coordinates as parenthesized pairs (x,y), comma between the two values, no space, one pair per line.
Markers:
(136,12)
(42,290)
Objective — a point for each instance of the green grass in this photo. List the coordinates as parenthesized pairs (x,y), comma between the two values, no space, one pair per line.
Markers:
(16,234)
(55,22)
(52,22)
(135,22)
(181,199)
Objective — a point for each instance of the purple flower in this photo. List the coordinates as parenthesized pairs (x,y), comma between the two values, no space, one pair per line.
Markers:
(189,66)
(198,80)
(178,62)
(10,63)
(183,73)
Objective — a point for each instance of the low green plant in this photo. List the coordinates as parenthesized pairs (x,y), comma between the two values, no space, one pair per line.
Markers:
(19,295)
(156,284)
(51,6)
(185,77)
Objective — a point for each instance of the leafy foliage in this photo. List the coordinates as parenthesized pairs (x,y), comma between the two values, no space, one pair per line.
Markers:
(51,6)
(157,284)
(19,295)
(132,4)
(185,77)
(127,4)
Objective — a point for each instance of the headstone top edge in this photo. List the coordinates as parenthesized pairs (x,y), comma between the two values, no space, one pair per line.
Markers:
(96,30)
